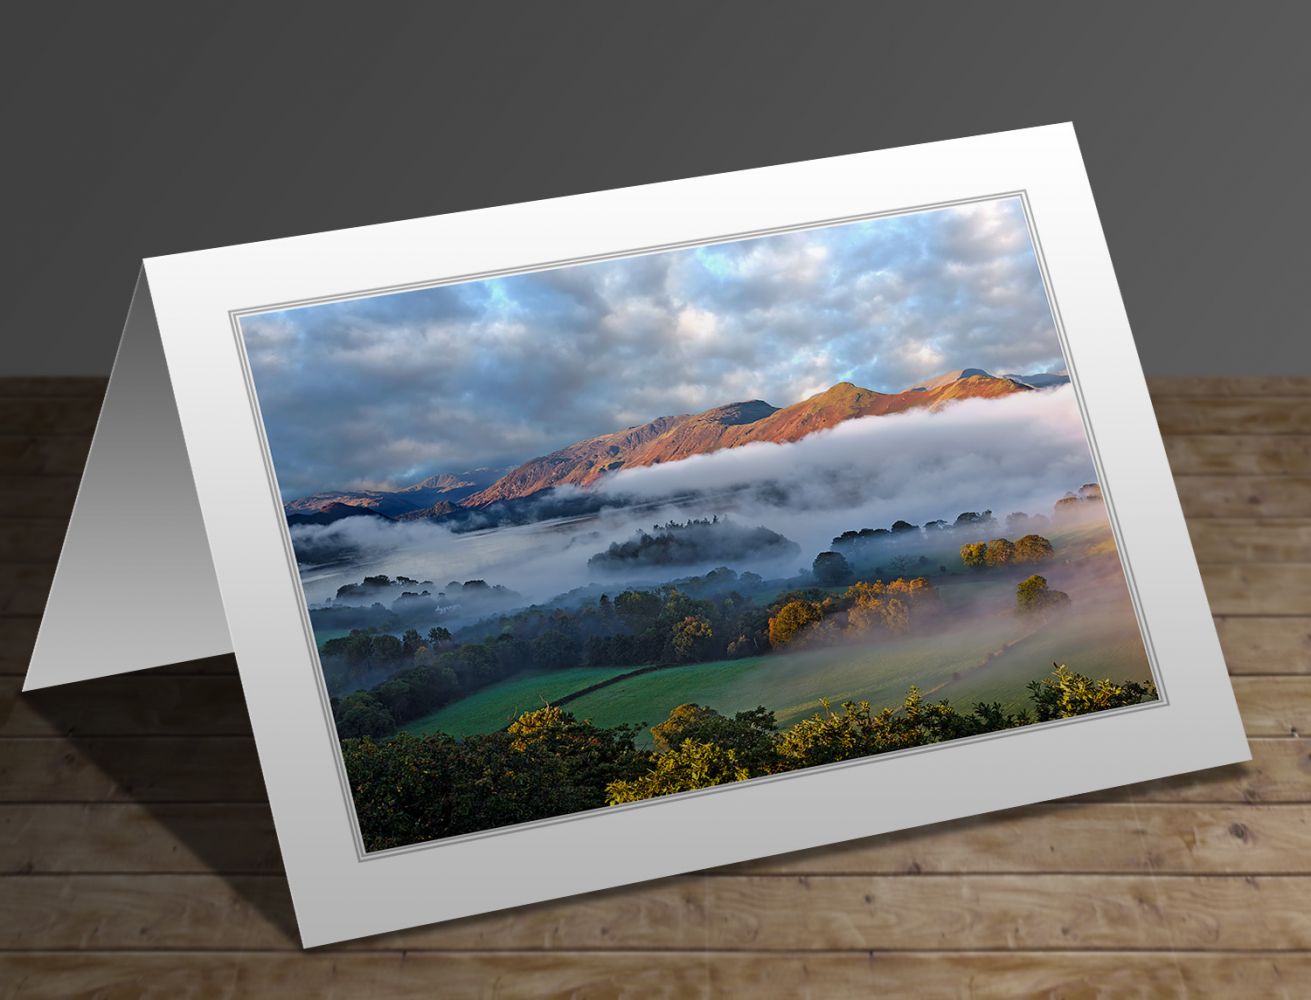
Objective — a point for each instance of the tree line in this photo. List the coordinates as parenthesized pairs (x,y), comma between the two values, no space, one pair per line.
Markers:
(638,628)
(410,789)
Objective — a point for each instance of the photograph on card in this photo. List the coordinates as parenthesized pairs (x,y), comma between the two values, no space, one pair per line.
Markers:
(596,533)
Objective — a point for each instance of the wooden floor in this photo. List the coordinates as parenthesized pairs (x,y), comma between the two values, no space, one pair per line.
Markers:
(138,856)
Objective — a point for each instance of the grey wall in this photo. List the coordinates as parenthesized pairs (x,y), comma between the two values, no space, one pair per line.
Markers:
(137,129)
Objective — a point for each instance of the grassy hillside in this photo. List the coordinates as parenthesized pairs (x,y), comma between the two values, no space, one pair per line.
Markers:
(793,684)
(493,707)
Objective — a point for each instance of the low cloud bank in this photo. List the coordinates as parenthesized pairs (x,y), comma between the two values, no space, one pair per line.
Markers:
(1019,453)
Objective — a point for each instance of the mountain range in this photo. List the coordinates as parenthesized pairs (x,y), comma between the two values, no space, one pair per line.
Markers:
(428,497)
(665,439)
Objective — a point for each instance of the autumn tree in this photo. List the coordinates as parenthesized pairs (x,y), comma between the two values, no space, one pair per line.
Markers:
(1033,549)
(1032,596)
(974,555)
(690,766)
(750,735)
(1000,552)
(791,620)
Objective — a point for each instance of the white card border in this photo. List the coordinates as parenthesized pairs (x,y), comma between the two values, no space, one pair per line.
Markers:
(336,894)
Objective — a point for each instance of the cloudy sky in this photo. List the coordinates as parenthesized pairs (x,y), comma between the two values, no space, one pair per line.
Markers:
(380,392)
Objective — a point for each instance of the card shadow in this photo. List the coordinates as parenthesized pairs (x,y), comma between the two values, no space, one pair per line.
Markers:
(177,741)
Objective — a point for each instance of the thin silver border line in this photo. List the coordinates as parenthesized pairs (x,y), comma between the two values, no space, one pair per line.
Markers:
(235,316)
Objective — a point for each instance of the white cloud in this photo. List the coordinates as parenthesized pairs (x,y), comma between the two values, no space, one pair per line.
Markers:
(500,371)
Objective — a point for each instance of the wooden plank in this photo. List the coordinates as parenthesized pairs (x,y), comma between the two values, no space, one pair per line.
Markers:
(1244,496)
(254,912)
(962,913)
(1009,974)
(28,455)
(645,974)
(1233,415)
(17,637)
(1247,540)
(1261,645)
(28,386)
(1082,837)
(1076,837)
(24,587)
(130,837)
(1279,772)
(1264,589)
(1165,386)
(49,415)
(1238,454)
(145,769)
(151,769)
(38,496)
(766,913)
(31,541)
(129,705)
(184,975)
(1274,706)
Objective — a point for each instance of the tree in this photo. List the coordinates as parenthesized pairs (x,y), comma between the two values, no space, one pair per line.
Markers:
(791,620)
(387,648)
(410,642)
(1033,549)
(691,766)
(362,714)
(895,614)
(416,788)
(832,569)
(1067,693)
(556,649)
(1032,596)
(409,789)
(974,554)
(638,608)
(999,552)
(438,636)
(692,638)
(750,735)
(970,517)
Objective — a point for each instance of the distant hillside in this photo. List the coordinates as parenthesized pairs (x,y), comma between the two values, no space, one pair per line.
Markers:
(435,490)
(454,496)
(669,439)
(333,512)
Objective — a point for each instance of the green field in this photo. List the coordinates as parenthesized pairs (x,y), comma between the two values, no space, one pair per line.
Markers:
(793,685)
(964,667)
(979,651)
(493,707)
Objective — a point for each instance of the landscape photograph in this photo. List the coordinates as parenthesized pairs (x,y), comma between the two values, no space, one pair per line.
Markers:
(598,533)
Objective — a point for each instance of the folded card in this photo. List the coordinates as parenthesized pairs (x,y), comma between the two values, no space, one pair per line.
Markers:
(580,542)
